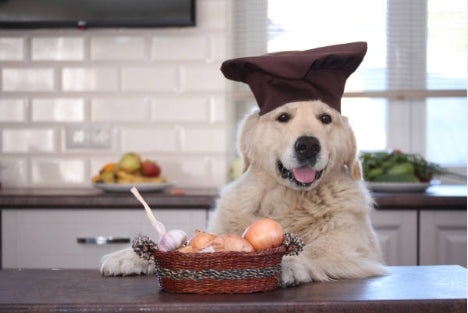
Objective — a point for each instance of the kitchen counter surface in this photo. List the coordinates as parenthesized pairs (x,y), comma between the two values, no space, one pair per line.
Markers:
(89,198)
(405,289)
(445,197)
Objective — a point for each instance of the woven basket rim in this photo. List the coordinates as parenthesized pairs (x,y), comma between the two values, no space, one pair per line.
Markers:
(201,255)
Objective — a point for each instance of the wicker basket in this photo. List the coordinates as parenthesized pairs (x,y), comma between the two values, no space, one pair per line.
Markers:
(217,272)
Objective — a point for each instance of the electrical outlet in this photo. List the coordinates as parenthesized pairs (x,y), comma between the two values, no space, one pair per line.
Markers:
(99,136)
(87,136)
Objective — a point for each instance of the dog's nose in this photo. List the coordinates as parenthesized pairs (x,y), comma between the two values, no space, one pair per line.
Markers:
(307,148)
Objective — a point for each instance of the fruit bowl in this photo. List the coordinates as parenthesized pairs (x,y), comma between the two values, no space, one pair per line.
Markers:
(398,187)
(129,170)
(143,187)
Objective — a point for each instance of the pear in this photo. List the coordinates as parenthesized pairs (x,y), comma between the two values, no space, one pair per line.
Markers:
(107,177)
(129,163)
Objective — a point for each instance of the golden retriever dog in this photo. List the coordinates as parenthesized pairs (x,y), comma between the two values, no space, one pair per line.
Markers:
(301,169)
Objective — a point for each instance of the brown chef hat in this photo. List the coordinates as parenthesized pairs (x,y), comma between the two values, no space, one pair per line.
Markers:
(282,77)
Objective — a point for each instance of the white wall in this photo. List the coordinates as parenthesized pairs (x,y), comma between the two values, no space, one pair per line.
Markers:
(159,92)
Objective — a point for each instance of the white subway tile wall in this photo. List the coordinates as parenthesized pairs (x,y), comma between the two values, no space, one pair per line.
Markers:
(11,49)
(12,110)
(118,48)
(90,79)
(27,80)
(57,48)
(157,79)
(159,91)
(57,110)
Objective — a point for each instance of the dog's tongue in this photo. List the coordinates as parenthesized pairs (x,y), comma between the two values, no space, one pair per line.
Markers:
(304,174)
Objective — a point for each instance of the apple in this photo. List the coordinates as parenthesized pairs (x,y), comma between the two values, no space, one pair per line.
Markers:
(150,168)
(130,163)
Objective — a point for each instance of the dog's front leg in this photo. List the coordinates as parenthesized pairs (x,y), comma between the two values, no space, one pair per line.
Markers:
(321,261)
(125,262)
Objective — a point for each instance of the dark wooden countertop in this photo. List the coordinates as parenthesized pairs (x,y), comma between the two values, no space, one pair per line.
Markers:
(444,197)
(441,197)
(89,198)
(405,289)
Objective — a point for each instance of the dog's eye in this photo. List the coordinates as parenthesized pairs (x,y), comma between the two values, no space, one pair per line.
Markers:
(283,117)
(325,118)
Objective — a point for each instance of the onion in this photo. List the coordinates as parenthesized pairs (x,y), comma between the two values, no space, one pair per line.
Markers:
(230,243)
(264,233)
(200,240)
(185,249)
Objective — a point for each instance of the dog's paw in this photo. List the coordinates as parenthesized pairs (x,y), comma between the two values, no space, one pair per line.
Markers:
(125,262)
(293,272)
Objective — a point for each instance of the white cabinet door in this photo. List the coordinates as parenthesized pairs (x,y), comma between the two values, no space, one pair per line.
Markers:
(397,234)
(443,237)
(48,238)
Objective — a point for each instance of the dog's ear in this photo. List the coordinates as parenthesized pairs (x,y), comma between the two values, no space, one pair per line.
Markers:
(351,158)
(245,133)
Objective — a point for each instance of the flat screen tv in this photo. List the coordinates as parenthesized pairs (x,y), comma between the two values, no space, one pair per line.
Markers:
(96,13)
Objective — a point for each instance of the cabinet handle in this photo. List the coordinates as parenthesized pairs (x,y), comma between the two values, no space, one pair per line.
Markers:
(101,240)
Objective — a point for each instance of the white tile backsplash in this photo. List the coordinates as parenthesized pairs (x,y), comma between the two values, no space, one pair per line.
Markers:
(57,171)
(201,140)
(120,110)
(14,171)
(12,110)
(57,48)
(217,109)
(150,140)
(11,49)
(58,110)
(40,140)
(90,79)
(19,79)
(187,109)
(202,78)
(217,47)
(160,78)
(118,48)
(180,48)
(159,92)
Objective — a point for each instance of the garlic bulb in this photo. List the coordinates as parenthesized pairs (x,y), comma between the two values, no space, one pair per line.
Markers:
(168,240)
(172,240)
(160,228)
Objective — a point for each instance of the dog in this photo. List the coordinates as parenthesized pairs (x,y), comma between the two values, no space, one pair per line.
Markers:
(301,168)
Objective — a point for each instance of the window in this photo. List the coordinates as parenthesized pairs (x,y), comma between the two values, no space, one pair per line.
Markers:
(410,91)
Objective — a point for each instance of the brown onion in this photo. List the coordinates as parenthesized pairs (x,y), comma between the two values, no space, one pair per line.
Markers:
(264,233)
(230,243)
(200,240)
(186,249)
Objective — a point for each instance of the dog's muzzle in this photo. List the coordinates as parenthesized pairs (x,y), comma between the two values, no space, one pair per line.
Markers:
(306,150)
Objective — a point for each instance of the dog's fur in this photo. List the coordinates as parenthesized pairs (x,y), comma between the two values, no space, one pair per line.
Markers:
(330,213)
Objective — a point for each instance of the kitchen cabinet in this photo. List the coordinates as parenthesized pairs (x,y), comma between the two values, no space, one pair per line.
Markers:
(424,237)
(443,237)
(397,234)
(48,238)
